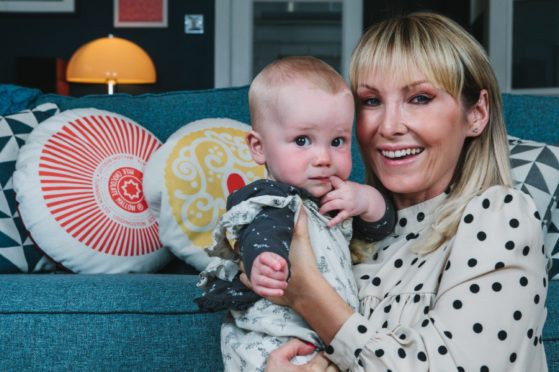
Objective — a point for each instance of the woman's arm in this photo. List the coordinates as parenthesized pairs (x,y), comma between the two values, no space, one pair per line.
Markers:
(488,310)
(308,293)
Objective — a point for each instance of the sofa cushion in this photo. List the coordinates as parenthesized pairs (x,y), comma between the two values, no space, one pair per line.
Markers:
(78,182)
(535,170)
(106,323)
(17,251)
(188,179)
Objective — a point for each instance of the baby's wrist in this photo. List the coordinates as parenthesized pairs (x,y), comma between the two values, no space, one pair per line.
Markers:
(374,212)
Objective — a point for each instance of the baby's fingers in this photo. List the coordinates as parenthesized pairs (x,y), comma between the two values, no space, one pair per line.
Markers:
(267,271)
(265,286)
(272,260)
(330,206)
(340,217)
(336,182)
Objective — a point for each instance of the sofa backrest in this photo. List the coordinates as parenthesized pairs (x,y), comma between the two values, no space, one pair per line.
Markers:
(532,117)
(164,113)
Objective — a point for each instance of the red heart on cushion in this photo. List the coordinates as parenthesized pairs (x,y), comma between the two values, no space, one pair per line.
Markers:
(234,182)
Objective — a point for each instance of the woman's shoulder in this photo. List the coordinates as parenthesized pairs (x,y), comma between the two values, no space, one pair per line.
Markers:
(500,229)
(499,197)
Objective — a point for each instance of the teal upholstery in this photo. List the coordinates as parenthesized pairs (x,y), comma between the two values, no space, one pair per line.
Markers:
(15,98)
(72,322)
(532,117)
(164,113)
(149,322)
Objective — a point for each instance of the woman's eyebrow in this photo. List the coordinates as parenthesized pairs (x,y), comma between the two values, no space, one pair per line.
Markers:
(415,84)
(367,86)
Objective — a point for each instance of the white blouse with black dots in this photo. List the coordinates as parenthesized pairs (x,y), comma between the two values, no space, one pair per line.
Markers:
(477,303)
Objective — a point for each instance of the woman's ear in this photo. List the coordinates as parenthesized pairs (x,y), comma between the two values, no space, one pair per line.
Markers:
(256,147)
(478,115)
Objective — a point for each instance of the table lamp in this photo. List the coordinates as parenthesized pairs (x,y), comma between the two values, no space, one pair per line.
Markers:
(111,60)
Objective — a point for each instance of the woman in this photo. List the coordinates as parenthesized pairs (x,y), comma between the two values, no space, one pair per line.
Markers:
(461,284)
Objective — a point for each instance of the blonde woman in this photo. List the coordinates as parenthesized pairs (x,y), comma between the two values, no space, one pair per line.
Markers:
(461,284)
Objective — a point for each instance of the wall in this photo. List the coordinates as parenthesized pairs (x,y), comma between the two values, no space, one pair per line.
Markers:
(373,11)
(182,61)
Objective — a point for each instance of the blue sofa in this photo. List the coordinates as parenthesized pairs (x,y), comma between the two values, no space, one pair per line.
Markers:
(149,321)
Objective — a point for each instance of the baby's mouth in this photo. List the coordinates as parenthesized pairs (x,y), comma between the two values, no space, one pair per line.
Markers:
(402,153)
(322,179)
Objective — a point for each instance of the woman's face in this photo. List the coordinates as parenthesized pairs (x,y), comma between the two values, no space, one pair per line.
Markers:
(412,134)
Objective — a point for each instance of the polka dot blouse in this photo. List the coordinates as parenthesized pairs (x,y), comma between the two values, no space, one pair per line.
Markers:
(477,303)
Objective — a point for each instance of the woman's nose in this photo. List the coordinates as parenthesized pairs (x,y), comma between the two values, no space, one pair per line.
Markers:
(392,122)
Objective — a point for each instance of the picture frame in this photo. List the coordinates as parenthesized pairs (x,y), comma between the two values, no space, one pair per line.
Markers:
(38,6)
(144,13)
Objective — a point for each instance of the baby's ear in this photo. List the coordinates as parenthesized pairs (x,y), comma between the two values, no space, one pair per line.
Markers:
(256,147)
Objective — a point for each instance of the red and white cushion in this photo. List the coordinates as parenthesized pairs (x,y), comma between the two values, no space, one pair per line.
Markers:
(78,182)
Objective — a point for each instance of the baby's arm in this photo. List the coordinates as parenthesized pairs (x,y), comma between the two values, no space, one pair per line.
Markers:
(353,199)
(269,275)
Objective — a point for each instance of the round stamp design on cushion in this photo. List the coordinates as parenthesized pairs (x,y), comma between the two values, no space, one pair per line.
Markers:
(125,188)
(91,179)
(204,167)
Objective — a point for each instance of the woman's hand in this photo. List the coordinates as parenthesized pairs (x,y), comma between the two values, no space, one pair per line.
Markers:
(307,292)
(280,359)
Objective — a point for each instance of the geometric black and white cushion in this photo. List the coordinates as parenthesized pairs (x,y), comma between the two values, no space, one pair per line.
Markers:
(535,170)
(17,251)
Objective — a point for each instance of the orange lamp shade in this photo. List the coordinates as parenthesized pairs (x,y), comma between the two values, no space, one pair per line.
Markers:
(111,60)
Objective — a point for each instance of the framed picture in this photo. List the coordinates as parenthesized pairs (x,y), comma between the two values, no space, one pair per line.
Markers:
(38,6)
(140,13)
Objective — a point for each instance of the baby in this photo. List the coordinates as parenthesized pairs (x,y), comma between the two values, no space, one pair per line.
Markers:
(302,115)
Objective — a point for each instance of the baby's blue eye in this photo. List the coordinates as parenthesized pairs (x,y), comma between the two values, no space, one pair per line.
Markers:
(337,142)
(302,141)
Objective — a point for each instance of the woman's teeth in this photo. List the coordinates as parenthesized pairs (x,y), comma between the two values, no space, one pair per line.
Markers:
(400,153)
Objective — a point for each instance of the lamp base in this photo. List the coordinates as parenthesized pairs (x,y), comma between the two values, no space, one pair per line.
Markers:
(111,86)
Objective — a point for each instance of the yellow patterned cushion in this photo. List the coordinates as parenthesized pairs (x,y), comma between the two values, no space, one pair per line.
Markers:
(188,179)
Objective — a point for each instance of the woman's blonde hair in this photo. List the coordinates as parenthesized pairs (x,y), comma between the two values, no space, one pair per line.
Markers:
(453,60)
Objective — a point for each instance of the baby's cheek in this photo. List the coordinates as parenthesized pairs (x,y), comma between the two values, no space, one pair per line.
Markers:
(344,167)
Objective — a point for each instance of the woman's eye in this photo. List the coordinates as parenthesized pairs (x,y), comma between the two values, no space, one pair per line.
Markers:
(370,102)
(337,142)
(302,141)
(421,99)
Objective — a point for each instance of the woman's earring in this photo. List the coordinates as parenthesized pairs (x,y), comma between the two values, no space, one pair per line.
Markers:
(475,130)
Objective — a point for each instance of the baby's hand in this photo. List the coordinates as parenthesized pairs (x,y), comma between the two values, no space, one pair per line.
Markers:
(269,275)
(352,199)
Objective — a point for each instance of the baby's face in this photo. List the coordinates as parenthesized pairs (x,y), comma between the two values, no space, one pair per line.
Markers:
(308,140)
